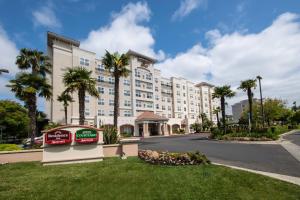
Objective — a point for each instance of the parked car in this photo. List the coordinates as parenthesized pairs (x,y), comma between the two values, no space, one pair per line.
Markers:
(37,140)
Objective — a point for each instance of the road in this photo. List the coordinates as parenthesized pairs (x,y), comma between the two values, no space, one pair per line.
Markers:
(263,157)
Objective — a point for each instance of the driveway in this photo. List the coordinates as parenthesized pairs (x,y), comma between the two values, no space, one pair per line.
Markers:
(294,138)
(263,157)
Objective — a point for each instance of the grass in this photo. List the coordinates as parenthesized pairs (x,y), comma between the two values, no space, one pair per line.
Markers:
(134,179)
(9,147)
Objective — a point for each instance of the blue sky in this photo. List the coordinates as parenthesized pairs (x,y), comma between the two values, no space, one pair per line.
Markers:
(222,42)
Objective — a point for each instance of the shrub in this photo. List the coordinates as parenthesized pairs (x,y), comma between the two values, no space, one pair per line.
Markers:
(166,158)
(9,147)
(216,132)
(110,135)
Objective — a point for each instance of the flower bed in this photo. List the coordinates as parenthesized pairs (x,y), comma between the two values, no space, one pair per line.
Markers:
(167,158)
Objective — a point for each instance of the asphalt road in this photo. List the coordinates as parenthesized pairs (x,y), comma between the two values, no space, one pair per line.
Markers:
(294,138)
(263,157)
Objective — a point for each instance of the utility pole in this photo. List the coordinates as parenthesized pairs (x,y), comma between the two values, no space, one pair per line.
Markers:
(261,101)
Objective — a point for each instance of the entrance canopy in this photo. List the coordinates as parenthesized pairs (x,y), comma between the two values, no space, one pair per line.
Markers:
(150,124)
(150,116)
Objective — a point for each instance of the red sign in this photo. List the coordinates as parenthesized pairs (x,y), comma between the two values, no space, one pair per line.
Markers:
(58,137)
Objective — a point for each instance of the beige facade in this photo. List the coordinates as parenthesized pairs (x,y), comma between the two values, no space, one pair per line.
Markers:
(144,90)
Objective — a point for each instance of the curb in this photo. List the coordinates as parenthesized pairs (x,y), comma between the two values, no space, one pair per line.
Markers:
(286,178)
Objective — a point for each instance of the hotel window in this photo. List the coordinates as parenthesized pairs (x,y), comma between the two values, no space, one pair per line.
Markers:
(149,77)
(84,62)
(127,103)
(178,93)
(100,79)
(149,105)
(137,83)
(111,102)
(163,99)
(156,89)
(184,108)
(168,100)
(183,87)
(101,90)
(169,107)
(126,82)
(111,91)
(111,80)
(87,111)
(149,86)
(163,107)
(127,113)
(157,106)
(138,93)
(126,92)
(184,94)
(179,115)
(149,95)
(156,97)
(137,73)
(101,68)
(177,85)
(156,80)
(101,102)
(138,104)
(192,116)
(111,113)
(100,112)
(191,96)
(169,115)
(87,99)
(184,102)
(179,108)
(178,101)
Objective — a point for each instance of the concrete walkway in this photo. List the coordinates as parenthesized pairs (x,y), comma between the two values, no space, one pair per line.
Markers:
(291,142)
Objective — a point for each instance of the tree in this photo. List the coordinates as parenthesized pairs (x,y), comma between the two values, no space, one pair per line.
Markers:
(294,107)
(65,98)
(223,92)
(27,85)
(117,64)
(216,111)
(79,79)
(259,78)
(274,108)
(247,86)
(296,117)
(14,119)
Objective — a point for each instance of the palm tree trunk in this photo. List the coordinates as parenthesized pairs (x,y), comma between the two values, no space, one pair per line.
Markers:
(223,113)
(32,117)
(116,101)
(249,93)
(81,98)
(66,115)
(218,120)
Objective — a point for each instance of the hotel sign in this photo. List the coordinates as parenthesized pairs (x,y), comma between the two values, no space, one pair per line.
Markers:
(58,137)
(86,136)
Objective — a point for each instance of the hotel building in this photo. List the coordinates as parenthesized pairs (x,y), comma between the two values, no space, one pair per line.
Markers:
(149,103)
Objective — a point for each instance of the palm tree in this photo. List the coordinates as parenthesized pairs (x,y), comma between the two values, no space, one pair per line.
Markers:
(116,63)
(26,88)
(28,85)
(34,60)
(222,93)
(247,86)
(259,78)
(216,111)
(79,79)
(65,98)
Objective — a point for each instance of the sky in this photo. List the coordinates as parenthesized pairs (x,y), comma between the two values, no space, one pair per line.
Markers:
(220,42)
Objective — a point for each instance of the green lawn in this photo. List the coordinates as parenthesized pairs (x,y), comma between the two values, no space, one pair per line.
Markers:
(134,179)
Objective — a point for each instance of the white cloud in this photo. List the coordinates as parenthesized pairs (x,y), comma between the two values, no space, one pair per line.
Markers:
(8,53)
(124,32)
(45,16)
(272,53)
(186,7)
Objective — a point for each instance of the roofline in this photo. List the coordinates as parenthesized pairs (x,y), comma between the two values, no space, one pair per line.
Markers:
(204,83)
(52,35)
(134,53)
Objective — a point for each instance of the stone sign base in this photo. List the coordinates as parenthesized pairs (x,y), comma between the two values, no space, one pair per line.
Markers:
(72,152)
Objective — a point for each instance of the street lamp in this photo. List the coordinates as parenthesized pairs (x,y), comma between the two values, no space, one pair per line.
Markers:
(3,71)
(261,101)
